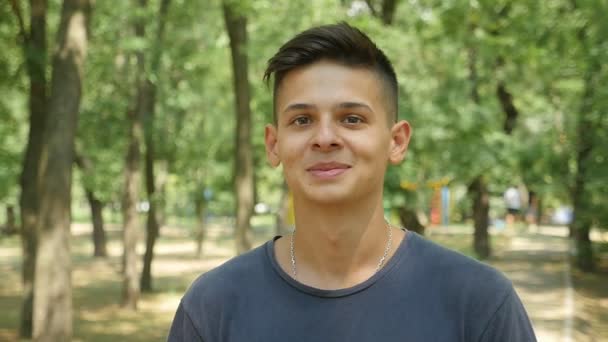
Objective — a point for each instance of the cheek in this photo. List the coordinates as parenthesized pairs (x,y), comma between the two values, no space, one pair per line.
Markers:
(292,178)
(371,151)
(288,159)
(291,150)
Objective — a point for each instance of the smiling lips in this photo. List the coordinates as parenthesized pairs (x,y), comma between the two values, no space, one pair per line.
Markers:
(328,170)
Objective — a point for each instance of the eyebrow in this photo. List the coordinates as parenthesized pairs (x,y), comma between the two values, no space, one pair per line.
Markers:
(353,105)
(299,106)
(342,105)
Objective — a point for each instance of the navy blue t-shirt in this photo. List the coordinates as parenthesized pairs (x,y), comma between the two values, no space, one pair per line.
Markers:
(424,293)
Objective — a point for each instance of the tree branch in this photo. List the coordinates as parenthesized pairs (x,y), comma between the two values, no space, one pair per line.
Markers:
(506,101)
(17,11)
(162,20)
(371,8)
(388,11)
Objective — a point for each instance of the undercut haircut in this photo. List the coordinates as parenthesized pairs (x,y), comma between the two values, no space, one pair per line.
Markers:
(339,43)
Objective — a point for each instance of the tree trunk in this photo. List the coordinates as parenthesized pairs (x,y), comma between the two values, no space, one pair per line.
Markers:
(481,210)
(160,179)
(152,230)
(99,234)
(148,101)
(53,288)
(201,233)
(34,51)
(236,24)
(409,220)
(585,259)
(154,220)
(10,229)
(152,227)
(478,189)
(130,288)
(473,78)
(582,218)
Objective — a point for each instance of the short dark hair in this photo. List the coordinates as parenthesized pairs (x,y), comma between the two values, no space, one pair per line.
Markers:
(340,43)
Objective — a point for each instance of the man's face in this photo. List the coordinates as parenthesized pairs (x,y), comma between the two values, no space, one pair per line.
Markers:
(332,133)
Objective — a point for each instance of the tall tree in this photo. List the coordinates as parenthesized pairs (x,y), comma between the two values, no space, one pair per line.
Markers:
(236,25)
(148,111)
(478,188)
(96,206)
(406,209)
(582,217)
(130,287)
(53,288)
(34,51)
(131,282)
(587,125)
(109,82)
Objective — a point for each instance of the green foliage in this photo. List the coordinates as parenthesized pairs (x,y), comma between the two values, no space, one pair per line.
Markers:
(13,108)
(110,69)
(534,48)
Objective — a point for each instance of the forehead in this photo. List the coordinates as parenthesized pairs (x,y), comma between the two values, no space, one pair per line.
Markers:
(326,83)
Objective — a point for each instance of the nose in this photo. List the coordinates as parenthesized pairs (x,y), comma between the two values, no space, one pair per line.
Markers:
(326,137)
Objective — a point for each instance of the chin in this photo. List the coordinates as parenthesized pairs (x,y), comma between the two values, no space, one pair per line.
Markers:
(329,196)
(329,199)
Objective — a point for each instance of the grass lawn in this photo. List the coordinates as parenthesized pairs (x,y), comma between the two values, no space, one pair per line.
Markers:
(592,298)
(97,285)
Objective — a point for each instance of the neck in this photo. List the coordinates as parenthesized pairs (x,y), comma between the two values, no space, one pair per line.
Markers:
(339,245)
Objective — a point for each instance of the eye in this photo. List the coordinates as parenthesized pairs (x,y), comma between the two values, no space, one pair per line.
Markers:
(352,119)
(301,120)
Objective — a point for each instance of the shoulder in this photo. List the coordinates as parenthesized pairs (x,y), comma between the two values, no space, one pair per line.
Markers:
(444,259)
(483,297)
(213,287)
(213,296)
(467,282)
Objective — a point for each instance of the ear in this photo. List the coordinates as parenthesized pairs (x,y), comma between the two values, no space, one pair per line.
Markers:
(270,140)
(400,139)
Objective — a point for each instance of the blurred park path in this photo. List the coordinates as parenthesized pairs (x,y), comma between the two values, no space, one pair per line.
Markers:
(537,265)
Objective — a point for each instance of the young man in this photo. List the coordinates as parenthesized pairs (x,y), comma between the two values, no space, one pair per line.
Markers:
(345,274)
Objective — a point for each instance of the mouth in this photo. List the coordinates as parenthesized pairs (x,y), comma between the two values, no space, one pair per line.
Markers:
(328,170)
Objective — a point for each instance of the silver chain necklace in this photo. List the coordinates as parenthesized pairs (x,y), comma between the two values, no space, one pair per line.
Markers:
(380,262)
